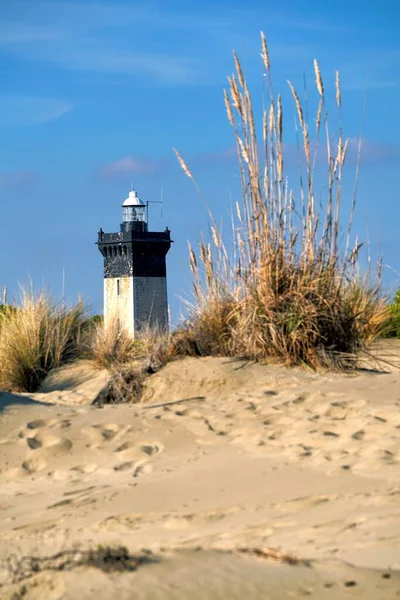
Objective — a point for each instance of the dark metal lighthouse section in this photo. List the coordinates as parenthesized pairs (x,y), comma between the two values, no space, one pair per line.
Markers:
(135,289)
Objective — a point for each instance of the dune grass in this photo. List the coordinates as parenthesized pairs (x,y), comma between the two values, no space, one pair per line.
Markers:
(111,345)
(37,336)
(292,290)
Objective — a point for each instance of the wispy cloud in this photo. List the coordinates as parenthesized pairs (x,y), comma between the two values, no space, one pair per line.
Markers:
(87,56)
(383,84)
(227,155)
(307,24)
(81,37)
(126,166)
(373,70)
(25,111)
(23,34)
(179,44)
(135,39)
(373,151)
(16,179)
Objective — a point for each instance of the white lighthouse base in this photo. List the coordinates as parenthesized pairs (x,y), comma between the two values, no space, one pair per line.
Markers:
(136,302)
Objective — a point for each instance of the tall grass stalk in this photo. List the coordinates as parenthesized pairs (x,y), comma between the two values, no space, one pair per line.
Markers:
(35,337)
(290,292)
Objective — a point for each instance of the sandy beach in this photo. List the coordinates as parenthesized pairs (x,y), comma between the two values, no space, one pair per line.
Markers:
(230,479)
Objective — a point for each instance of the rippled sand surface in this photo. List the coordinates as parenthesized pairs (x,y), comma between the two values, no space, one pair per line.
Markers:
(220,457)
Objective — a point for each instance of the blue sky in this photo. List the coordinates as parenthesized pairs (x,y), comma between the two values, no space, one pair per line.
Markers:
(94,95)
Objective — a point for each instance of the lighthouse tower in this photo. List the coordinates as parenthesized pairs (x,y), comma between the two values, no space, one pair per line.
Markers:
(135,279)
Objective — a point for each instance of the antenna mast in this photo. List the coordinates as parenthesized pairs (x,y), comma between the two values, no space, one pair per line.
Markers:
(161,201)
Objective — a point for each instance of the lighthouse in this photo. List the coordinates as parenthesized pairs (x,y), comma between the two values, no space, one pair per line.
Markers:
(135,275)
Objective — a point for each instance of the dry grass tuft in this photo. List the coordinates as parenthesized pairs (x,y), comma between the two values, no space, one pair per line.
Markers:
(290,292)
(125,385)
(107,558)
(36,337)
(111,345)
(273,554)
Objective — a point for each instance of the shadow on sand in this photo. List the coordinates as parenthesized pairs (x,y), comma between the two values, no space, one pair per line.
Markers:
(8,399)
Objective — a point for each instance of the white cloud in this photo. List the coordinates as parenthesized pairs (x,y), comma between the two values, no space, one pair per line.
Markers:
(25,111)
(126,166)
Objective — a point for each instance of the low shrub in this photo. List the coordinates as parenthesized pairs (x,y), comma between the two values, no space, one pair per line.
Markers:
(392,325)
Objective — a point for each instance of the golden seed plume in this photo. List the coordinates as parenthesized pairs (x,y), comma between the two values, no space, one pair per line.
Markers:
(239,214)
(298,104)
(265,126)
(264,51)
(183,164)
(244,108)
(340,151)
(250,113)
(318,78)
(238,69)
(280,113)
(271,117)
(243,150)
(338,91)
(319,113)
(235,94)
(266,181)
(346,145)
(306,143)
(192,259)
(215,237)
(202,254)
(228,108)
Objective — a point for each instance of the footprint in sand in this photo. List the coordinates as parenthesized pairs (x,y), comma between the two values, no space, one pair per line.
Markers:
(108,431)
(85,468)
(151,449)
(42,442)
(37,423)
(45,440)
(34,443)
(80,491)
(124,446)
(123,466)
(142,468)
(98,434)
(33,465)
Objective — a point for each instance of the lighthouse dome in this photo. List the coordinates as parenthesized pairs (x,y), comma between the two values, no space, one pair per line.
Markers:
(133,199)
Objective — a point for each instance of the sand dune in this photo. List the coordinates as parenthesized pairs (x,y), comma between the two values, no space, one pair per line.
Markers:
(221,455)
